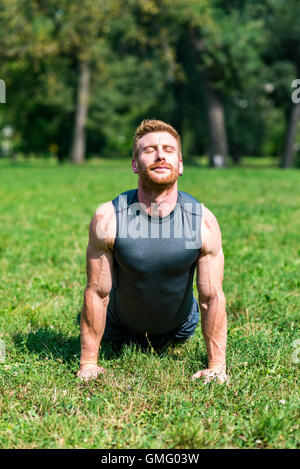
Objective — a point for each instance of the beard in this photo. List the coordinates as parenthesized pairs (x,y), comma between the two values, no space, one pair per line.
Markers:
(155,182)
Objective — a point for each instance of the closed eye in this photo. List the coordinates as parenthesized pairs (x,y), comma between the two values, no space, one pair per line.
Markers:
(149,149)
(169,148)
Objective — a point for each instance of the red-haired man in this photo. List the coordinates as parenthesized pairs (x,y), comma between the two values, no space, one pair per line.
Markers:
(144,247)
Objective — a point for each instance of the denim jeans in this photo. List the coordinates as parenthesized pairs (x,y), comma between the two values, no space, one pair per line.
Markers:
(116,334)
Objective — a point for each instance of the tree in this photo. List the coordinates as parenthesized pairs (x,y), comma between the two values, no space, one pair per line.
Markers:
(283,54)
(218,52)
(81,29)
(228,46)
(288,154)
(26,47)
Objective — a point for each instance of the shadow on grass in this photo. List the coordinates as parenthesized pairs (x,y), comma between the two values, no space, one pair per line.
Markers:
(145,346)
(48,343)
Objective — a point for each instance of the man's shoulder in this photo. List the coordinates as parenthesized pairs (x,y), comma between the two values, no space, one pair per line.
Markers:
(211,233)
(104,211)
(102,229)
(209,219)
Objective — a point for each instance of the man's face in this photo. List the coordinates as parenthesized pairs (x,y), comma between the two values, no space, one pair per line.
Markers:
(158,163)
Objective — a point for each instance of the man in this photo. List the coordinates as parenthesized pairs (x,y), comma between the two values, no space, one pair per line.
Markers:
(143,249)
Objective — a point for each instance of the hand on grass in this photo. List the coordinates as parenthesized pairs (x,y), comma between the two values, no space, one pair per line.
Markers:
(211,374)
(90,371)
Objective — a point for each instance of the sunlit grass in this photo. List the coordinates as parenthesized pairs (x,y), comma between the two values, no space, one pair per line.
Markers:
(146,400)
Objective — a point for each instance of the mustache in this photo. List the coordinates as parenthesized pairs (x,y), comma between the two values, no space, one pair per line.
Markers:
(160,165)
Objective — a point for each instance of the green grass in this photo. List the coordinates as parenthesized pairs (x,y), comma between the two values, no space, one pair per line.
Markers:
(146,400)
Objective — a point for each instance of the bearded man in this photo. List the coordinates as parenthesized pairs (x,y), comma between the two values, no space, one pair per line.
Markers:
(144,247)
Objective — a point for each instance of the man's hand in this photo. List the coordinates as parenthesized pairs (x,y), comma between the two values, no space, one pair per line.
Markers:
(90,371)
(211,374)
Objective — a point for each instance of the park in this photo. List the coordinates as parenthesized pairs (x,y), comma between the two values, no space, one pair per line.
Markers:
(77,78)
(146,400)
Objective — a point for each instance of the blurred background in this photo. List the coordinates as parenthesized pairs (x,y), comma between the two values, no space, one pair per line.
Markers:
(76,78)
(79,76)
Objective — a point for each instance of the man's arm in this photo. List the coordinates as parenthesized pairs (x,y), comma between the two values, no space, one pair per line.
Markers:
(99,265)
(210,269)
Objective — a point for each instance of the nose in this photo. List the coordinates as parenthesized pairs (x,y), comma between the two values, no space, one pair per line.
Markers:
(160,153)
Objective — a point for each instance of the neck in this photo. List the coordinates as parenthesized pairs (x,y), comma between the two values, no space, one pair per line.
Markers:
(160,201)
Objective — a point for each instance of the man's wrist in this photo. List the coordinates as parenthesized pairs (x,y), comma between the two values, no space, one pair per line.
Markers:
(217,366)
(88,362)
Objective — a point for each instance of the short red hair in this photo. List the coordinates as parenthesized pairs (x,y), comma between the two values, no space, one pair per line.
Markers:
(153,125)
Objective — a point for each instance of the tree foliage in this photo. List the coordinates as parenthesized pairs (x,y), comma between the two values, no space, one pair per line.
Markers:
(171,60)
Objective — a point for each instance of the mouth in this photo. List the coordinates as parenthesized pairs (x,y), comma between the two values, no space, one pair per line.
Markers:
(160,168)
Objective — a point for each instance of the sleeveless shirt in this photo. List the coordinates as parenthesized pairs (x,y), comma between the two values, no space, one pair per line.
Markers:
(154,264)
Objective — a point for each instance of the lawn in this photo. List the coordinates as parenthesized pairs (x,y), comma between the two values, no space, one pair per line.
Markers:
(147,399)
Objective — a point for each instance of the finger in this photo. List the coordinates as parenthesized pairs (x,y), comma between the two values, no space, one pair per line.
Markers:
(89,372)
(223,378)
(197,375)
(86,375)
(207,372)
(220,378)
(210,376)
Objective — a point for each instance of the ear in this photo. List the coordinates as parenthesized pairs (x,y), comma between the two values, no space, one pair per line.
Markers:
(134,165)
(180,167)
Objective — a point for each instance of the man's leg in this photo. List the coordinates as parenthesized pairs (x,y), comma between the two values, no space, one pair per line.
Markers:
(117,335)
(187,330)
(180,335)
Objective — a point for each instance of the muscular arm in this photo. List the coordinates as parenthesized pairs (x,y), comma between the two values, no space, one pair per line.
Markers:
(99,262)
(210,268)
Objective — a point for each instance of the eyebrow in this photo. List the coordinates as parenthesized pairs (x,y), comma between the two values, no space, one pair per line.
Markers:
(155,146)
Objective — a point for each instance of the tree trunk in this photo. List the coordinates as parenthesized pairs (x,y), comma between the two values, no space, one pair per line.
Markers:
(218,154)
(287,159)
(236,153)
(77,154)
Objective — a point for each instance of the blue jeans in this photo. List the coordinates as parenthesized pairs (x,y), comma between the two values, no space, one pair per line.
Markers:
(115,333)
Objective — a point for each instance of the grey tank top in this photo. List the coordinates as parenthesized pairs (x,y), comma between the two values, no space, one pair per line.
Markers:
(154,264)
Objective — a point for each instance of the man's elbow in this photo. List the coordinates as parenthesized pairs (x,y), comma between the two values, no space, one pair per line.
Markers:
(216,297)
(102,292)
